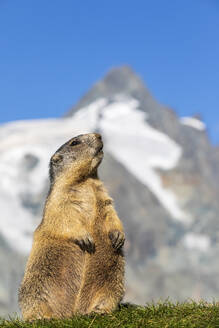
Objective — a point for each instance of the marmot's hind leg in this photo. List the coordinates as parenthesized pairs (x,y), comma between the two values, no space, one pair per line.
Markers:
(103,306)
(103,303)
(38,311)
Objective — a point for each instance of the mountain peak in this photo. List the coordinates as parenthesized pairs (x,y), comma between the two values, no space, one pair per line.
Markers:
(119,80)
(122,79)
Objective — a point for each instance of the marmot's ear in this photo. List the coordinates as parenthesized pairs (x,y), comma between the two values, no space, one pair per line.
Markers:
(57,158)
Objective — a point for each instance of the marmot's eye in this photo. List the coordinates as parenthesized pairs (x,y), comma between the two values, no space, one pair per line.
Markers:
(74,143)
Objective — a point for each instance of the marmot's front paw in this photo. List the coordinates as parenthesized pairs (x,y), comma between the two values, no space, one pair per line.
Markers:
(86,244)
(117,238)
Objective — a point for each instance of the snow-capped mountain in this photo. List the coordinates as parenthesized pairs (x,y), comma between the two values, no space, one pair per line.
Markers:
(160,169)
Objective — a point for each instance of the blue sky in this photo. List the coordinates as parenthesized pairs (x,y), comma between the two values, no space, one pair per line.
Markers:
(51,52)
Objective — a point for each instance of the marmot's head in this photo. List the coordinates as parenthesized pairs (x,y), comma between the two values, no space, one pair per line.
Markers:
(77,159)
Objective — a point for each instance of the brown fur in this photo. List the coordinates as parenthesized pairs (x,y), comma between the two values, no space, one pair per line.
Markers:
(76,264)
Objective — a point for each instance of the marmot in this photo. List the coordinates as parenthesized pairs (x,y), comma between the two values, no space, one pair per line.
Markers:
(76,264)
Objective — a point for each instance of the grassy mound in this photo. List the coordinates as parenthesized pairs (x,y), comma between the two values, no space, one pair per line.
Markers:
(162,315)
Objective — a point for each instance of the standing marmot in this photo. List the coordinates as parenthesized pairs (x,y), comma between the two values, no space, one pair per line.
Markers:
(76,263)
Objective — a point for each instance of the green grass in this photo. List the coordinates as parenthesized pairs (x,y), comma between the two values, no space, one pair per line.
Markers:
(162,315)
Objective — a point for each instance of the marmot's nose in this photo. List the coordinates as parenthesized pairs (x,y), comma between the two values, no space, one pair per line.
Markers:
(98,136)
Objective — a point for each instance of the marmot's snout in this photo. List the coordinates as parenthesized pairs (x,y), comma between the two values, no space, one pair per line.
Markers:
(94,140)
(93,137)
(99,143)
